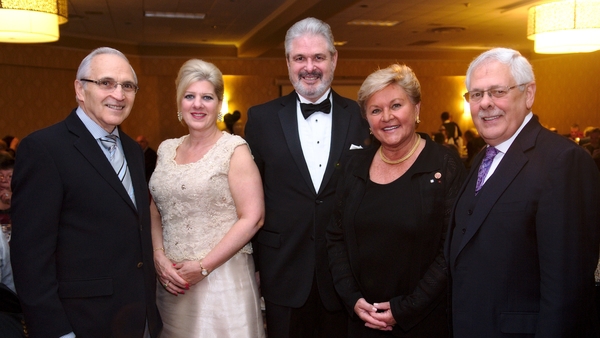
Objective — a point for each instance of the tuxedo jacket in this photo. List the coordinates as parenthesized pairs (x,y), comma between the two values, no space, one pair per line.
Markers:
(522,253)
(291,246)
(81,250)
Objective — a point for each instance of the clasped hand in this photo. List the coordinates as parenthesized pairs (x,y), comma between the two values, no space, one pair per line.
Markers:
(376,316)
(177,277)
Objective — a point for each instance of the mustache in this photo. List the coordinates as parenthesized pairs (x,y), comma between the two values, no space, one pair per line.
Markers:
(313,73)
(489,113)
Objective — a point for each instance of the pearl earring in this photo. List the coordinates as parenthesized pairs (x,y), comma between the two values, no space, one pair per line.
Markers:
(179,116)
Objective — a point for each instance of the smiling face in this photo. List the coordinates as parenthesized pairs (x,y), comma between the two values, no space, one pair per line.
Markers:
(311,66)
(497,119)
(108,108)
(200,106)
(391,116)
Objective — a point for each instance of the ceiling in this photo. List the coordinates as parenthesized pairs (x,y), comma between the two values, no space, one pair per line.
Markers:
(256,28)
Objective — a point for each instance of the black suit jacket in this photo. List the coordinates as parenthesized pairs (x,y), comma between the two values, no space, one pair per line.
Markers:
(81,250)
(150,158)
(291,246)
(522,254)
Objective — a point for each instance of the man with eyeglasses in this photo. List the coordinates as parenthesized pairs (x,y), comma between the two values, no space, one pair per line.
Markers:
(81,246)
(523,241)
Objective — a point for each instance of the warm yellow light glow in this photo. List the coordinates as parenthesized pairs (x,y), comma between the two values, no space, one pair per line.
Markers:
(466,109)
(31,21)
(224,107)
(565,27)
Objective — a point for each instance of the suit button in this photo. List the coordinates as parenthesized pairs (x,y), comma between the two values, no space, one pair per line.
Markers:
(463,231)
(140,264)
(469,212)
(319,201)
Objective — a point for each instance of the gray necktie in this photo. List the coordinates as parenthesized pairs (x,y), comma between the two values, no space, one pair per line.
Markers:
(117,160)
(490,153)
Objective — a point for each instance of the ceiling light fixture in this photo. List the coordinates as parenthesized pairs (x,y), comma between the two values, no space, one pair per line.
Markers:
(373,23)
(565,27)
(174,15)
(31,21)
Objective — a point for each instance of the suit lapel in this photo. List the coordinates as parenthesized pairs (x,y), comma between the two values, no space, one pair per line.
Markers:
(289,124)
(339,131)
(140,188)
(90,150)
(506,172)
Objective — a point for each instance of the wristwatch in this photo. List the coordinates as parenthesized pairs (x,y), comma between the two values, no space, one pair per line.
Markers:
(203,271)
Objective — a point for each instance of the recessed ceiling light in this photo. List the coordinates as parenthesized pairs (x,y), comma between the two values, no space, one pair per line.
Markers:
(373,23)
(174,15)
(339,43)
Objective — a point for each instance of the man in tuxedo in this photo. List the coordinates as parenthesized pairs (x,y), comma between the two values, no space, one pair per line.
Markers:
(149,156)
(523,241)
(81,247)
(299,142)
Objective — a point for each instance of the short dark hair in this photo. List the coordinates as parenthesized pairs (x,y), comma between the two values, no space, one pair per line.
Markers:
(7,161)
(445,116)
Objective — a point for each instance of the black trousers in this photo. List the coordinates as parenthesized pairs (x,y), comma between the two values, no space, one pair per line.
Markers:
(309,320)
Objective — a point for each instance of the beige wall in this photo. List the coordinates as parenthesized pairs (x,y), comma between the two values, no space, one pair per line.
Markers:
(36,88)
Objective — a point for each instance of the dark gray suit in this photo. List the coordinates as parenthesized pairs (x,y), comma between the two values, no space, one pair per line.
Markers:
(81,250)
(522,253)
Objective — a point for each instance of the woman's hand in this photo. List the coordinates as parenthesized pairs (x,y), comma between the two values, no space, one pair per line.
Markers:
(367,312)
(189,271)
(384,314)
(167,274)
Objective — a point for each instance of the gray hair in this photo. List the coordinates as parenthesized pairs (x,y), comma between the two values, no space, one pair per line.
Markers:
(520,68)
(310,26)
(197,70)
(400,75)
(84,67)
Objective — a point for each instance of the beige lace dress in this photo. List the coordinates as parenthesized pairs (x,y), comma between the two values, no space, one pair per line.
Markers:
(197,210)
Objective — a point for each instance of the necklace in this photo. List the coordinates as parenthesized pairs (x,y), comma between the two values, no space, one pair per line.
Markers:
(410,153)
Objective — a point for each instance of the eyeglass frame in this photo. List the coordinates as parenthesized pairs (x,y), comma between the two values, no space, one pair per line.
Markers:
(98,83)
(467,95)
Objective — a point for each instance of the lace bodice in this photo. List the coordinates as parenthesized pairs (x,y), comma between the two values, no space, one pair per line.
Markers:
(194,199)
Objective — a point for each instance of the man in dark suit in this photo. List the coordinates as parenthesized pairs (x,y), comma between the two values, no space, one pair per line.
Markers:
(149,156)
(81,246)
(299,158)
(522,248)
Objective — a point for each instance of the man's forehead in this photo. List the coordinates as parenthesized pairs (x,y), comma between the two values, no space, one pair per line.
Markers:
(110,66)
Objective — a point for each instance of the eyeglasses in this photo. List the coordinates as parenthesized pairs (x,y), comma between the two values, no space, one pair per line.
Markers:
(5,178)
(497,92)
(110,85)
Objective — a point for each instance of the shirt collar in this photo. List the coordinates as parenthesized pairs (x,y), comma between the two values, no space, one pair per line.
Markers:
(503,147)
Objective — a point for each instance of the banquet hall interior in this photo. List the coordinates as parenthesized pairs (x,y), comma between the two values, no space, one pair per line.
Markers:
(244,39)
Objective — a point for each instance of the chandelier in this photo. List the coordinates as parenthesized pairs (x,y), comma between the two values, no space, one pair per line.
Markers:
(31,21)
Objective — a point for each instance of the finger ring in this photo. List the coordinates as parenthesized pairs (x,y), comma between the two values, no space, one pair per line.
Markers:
(167,283)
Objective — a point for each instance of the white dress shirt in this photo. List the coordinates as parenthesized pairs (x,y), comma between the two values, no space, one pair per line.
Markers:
(315,139)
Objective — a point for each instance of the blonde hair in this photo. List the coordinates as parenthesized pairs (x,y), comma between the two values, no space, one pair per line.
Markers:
(398,74)
(197,70)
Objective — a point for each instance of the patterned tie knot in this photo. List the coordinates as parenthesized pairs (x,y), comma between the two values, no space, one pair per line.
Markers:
(109,141)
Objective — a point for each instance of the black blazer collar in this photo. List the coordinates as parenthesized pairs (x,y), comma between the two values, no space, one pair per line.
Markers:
(339,130)
(89,148)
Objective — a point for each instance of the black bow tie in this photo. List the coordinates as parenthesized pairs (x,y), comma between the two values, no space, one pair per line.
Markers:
(309,108)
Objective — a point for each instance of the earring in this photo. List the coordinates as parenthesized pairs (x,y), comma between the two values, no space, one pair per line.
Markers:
(370,131)
(418,121)
(220,116)
(179,116)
